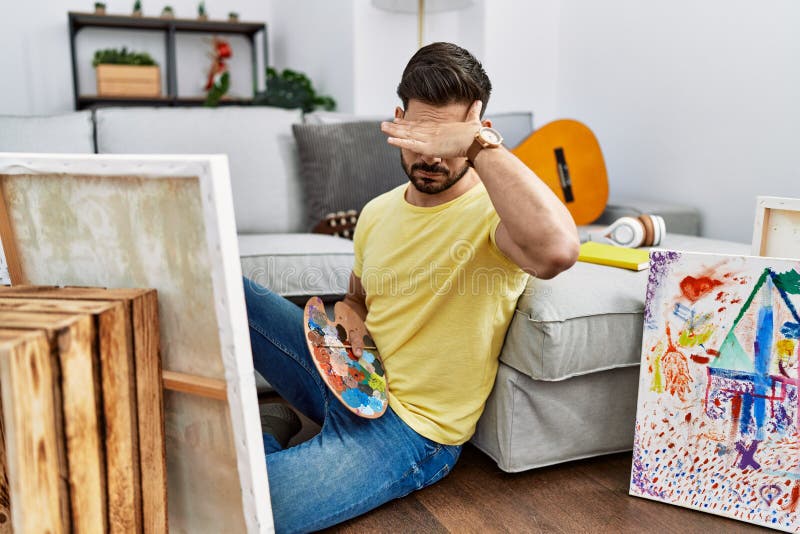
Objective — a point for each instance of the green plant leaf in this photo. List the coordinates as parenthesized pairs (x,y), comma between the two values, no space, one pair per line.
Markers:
(292,89)
(217,91)
(113,56)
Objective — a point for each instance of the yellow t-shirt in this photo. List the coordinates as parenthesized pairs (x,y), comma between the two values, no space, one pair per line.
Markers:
(440,296)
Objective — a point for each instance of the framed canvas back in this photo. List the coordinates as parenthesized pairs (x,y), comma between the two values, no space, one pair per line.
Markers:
(776,231)
(163,222)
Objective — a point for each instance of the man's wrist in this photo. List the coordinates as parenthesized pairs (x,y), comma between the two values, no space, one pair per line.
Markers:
(485,138)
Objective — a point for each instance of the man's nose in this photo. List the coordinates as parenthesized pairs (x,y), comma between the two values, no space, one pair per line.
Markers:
(431,160)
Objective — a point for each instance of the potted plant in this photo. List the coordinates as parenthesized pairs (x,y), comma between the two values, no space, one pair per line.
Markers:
(292,89)
(201,11)
(123,73)
(99,8)
(219,80)
(167,13)
(233,16)
(137,8)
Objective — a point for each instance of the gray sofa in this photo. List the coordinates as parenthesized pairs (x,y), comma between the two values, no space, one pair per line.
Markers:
(566,387)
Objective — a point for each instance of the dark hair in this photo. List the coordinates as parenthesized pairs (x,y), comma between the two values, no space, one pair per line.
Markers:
(444,73)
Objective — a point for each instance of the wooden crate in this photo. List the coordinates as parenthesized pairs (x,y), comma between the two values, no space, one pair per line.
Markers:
(70,349)
(125,347)
(128,80)
(34,455)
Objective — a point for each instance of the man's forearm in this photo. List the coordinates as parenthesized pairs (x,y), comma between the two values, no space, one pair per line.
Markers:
(536,219)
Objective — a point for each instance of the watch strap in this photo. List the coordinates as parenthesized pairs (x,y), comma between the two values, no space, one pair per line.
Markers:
(472,151)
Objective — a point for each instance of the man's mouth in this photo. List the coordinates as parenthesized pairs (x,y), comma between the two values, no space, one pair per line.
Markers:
(429,176)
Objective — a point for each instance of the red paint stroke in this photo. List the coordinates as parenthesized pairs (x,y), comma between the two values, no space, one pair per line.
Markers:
(676,370)
(736,301)
(712,352)
(772,399)
(736,409)
(780,397)
(792,506)
(694,288)
(720,310)
(720,296)
(335,381)
(700,359)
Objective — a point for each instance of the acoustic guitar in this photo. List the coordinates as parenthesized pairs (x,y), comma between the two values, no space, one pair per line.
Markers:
(339,224)
(565,154)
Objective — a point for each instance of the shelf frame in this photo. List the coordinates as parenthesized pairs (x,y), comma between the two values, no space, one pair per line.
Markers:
(170,27)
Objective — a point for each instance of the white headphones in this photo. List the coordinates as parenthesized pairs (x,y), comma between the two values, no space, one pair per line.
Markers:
(632,232)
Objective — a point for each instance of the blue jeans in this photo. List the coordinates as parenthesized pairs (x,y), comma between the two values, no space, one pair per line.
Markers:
(354,464)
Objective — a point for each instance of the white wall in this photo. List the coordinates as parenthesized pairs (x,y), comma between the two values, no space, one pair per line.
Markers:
(520,54)
(35,69)
(316,37)
(385,41)
(693,102)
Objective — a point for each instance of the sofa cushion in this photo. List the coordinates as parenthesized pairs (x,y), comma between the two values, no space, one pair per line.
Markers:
(338,117)
(528,423)
(57,134)
(295,265)
(514,125)
(588,318)
(258,141)
(344,166)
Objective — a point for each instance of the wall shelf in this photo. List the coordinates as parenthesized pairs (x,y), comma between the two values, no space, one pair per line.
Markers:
(170,28)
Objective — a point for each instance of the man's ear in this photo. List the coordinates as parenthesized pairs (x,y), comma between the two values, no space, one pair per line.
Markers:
(487,123)
(399,113)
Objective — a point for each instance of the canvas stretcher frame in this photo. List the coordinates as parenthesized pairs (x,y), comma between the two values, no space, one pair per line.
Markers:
(776,231)
(164,222)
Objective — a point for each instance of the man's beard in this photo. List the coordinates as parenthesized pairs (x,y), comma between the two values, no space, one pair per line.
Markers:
(431,187)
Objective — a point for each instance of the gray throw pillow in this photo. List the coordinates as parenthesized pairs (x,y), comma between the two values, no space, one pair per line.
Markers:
(343,166)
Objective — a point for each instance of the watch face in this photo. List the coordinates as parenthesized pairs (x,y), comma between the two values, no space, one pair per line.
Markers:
(491,136)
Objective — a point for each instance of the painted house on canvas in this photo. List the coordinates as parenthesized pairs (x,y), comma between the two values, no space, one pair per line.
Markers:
(717,423)
(752,385)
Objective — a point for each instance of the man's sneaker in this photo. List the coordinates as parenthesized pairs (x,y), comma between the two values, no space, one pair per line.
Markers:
(280,421)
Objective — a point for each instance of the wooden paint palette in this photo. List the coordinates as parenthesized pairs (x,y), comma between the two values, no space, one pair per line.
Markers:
(359,383)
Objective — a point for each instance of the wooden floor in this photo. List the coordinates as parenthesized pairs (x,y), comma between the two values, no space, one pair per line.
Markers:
(581,496)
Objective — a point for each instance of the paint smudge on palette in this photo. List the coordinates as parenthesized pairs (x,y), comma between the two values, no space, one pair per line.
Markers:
(718,419)
(358,382)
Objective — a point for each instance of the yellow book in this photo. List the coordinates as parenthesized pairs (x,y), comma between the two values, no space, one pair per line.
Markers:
(634,259)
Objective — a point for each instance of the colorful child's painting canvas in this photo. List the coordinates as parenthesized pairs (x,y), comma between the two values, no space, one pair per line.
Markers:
(717,423)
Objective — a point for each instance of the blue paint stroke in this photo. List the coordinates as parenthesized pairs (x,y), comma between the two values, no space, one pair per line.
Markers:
(791,330)
(746,415)
(763,351)
(355,398)
(783,474)
(682,311)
